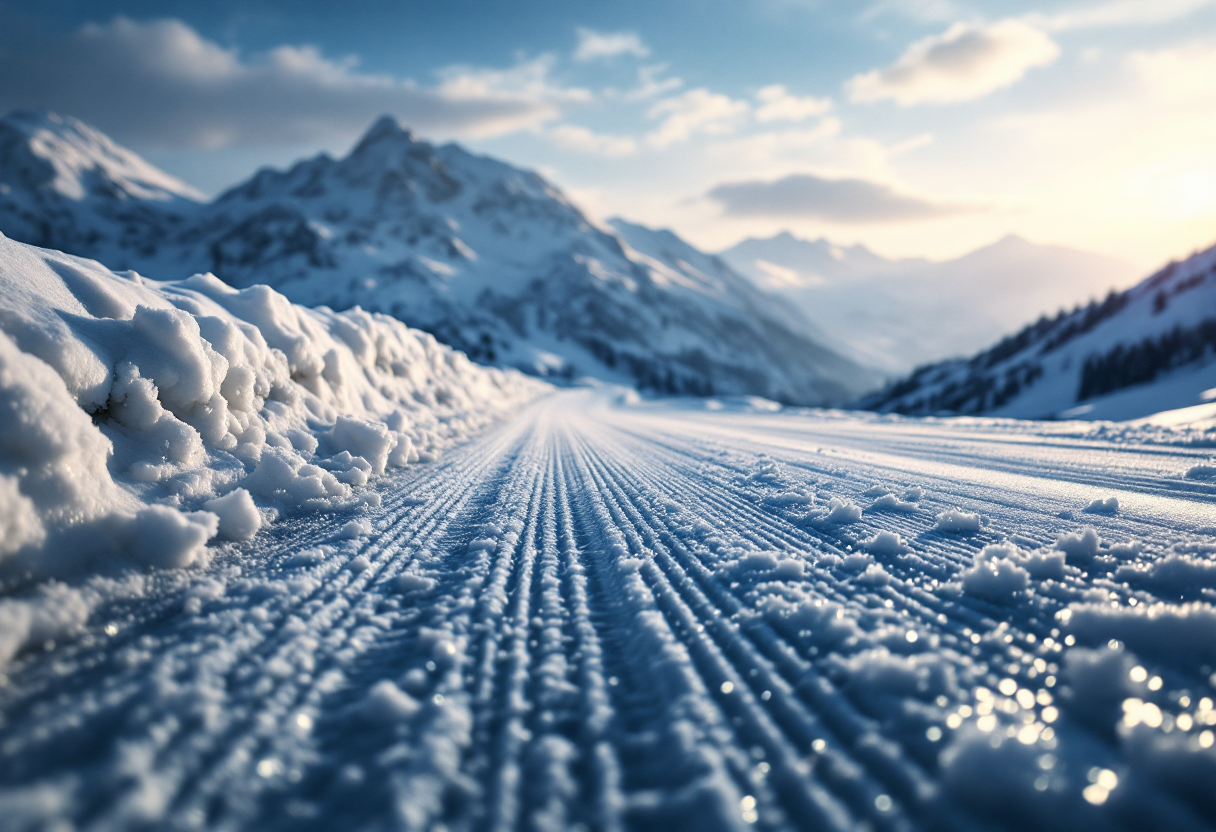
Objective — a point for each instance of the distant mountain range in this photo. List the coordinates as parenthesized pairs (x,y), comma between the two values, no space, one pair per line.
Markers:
(899,314)
(1137,352)
(492,259)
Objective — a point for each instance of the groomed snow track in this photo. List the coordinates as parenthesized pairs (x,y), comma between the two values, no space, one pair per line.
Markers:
(625,618)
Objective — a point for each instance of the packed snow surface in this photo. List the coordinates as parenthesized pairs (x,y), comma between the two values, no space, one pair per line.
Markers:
(608,614)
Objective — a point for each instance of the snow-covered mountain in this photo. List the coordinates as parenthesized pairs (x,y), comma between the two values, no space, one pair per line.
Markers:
(492,259)
(66,185)
(784,262)
(898,314)
(1138,352)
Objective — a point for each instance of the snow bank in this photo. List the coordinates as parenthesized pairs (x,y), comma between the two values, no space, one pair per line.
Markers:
(139,419)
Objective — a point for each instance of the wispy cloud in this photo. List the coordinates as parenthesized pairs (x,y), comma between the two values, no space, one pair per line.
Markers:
(692,112)
(963,63)
(652,84)
(593,45)
(804,195)
(777,104)
(584,140)
(162,85)
(925,11)
(1120,13)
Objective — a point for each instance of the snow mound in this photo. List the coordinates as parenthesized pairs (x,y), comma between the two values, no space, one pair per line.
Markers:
(138,418)
(1201,472)
(886,543)
(1109,505)
(954,521)
(837,512)
(995,575)
(1079,547)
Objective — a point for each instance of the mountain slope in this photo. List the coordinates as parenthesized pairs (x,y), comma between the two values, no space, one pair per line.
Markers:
(897,314)
(1147,349)
(784,262)
(66,185)
(492,259)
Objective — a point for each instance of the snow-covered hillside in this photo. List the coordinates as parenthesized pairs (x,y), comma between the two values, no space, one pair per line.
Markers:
(66,185)
(491,259)
(1147,349)
(138,419)
(898,314)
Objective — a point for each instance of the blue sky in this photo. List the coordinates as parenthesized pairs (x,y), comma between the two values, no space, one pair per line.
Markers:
(919,127)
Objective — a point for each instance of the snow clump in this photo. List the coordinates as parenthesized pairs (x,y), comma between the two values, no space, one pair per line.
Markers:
(1110,505)
(957,522)
(837,512)
(995,574)
(1079,547)
(1202,471)
(886,543)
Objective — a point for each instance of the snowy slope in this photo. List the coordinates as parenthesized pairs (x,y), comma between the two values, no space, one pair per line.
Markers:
(1147,349)
(493,260)
(661,618)
(66,185)
(138,418)
(897,314)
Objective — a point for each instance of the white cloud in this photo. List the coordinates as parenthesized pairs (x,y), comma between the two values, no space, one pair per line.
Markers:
(583,140)
(776,104)
(161,85)
(593,45)
(964,63)
(651,84)
(1182,73)
(761,151)
(925,11)
(695,111)
(526,81)
(1120,13)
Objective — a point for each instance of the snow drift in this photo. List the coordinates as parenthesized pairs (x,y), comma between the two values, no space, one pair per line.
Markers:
(139,419)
